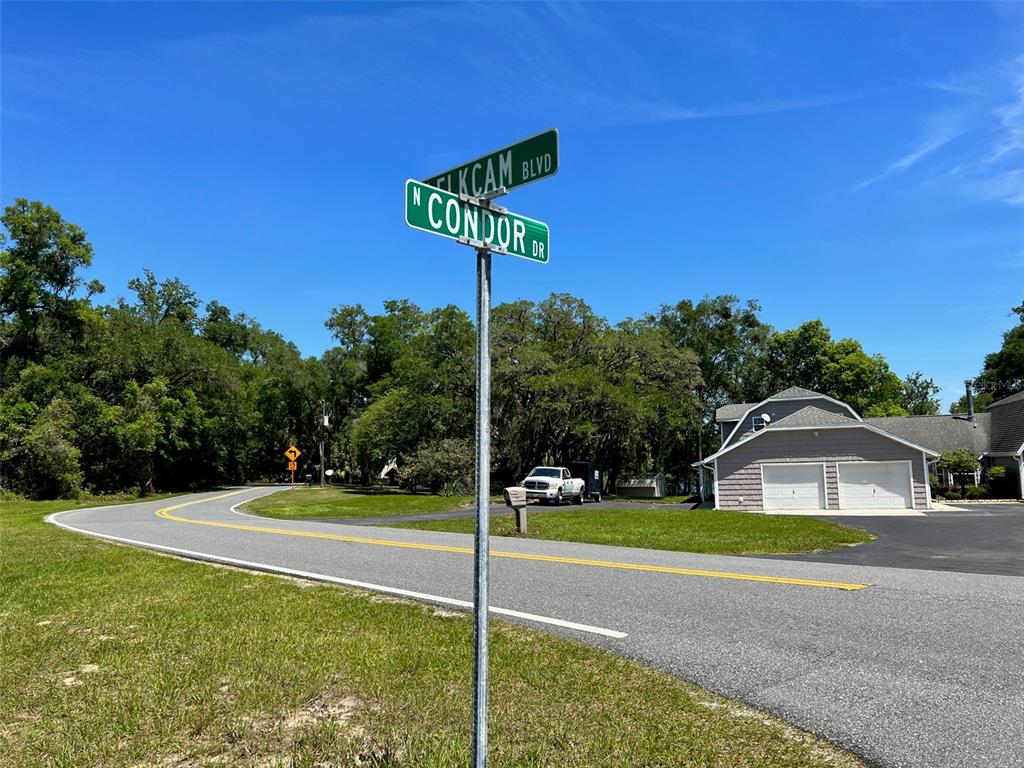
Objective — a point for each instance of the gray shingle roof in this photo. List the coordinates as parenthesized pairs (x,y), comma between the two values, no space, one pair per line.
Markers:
(732,411)
(795,392)
(1007,424)
(1007,400)
(998,430)
(940,433)
(812,416)
(735,411)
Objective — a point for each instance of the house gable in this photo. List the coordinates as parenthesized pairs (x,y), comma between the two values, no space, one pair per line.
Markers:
(777,409)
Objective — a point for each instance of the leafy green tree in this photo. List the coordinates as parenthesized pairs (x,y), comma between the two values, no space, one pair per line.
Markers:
(1003,374)
(49,456)
(40,287)
(920,395)
(982,400)
(160,301)
(808,357)
(446,466)
(959,463)
(728,340)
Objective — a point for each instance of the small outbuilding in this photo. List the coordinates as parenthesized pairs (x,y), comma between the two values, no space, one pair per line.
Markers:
(649,487)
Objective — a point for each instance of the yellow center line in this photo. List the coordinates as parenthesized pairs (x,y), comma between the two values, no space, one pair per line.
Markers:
(165,513)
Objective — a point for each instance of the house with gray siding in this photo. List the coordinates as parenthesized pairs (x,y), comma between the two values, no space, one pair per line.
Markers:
(801,449)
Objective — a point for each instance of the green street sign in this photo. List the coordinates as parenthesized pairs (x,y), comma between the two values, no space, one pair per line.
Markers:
(529,160)
(443,213)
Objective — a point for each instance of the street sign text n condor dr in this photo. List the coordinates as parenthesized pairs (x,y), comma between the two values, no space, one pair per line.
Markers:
(470,221)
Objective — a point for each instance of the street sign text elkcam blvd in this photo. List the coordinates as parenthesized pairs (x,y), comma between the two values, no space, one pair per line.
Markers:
(529,160)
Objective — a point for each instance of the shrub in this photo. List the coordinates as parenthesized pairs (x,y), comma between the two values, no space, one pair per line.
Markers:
(51,458)
(952,495)
(445,466)
(975,492)
(1002,484)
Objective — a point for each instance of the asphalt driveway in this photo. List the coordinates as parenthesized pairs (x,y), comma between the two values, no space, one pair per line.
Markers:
(977,538)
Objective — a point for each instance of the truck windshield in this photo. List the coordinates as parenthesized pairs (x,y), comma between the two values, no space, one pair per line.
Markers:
(546,472)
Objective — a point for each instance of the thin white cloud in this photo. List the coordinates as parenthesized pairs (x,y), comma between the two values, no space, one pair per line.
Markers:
(1005,186)
(939,130)
(1011,119)
(987,126)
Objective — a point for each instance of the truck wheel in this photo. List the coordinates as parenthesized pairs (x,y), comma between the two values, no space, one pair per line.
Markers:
(579,496)
(558,498)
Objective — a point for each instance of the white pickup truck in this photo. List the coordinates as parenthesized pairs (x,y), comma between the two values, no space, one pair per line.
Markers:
(553,485)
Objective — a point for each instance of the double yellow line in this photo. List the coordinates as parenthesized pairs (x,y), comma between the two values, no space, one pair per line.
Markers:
(165,513)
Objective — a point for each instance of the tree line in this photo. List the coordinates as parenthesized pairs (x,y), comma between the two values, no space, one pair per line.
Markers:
(165,391)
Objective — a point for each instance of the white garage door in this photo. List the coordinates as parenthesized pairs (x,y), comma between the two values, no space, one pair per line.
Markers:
(793,486)
(866,485)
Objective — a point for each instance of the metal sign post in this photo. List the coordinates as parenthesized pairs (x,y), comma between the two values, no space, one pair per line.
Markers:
(483,503)
(292,454)
(457,205)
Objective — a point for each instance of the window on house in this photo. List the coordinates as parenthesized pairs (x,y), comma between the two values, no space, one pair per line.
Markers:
(758,423)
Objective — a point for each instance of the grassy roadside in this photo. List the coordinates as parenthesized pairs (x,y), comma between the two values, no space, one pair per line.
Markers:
(309,503)
(641,500)
(117,657)
(706,531)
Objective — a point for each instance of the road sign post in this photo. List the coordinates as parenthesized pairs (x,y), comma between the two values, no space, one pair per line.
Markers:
(457,204)
(483,503)
(292,454)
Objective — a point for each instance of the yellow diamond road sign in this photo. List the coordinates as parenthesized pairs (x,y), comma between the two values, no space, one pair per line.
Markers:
(292,453)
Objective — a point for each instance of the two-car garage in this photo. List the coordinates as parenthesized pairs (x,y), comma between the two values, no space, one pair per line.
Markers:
(820,457)
(860,485)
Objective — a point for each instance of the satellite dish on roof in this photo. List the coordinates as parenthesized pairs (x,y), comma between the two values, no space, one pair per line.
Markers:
(765,418)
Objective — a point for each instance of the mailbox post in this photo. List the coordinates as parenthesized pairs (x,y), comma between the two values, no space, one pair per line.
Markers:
(515,497)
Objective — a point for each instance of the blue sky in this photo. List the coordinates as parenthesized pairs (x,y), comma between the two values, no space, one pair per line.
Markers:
(858,163)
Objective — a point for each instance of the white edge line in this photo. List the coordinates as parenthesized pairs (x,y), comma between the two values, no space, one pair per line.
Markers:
(234,508)
(337,580)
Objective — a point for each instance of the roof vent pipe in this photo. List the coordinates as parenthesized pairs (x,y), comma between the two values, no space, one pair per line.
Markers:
(969,385)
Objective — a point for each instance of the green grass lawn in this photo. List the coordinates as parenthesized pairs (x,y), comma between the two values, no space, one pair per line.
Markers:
(121,658)
(307,503)
(706,530)
(640,500)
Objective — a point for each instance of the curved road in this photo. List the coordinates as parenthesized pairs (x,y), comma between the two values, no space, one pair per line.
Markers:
(903,667)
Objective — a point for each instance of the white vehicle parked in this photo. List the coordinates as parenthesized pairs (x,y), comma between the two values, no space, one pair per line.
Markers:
(553,485)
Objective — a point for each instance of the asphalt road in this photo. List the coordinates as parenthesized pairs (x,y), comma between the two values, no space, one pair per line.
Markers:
(919,668)
(979,538)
